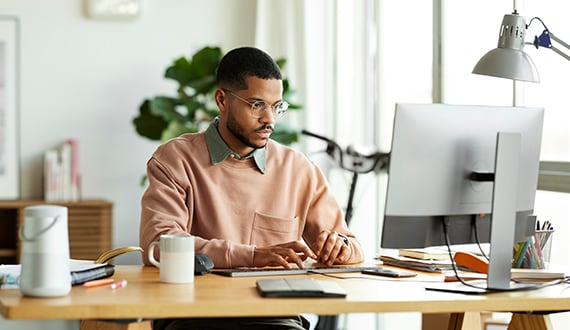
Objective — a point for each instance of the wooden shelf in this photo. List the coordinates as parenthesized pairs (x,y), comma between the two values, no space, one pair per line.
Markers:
(89,226)
(8,252)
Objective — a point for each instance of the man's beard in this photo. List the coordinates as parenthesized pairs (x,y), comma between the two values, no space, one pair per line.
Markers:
(238,131)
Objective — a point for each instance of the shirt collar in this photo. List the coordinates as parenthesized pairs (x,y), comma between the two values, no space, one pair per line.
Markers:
(219,150)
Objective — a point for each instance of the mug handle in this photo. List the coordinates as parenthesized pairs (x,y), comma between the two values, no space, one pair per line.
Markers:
(151,254)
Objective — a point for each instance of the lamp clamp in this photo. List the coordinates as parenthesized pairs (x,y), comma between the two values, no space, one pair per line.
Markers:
(545,40)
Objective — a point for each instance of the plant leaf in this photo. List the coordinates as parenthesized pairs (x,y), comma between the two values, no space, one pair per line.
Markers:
(166,108)
(198,72)
(147,124)
(176,128)
(284,134)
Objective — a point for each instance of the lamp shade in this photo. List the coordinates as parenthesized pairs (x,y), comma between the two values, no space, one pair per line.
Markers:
(508,60)
(507,63)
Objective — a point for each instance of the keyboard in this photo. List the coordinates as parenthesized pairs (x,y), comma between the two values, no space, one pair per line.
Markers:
(245,272)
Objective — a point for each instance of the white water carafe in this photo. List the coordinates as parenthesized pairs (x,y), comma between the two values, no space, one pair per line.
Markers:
(45,252)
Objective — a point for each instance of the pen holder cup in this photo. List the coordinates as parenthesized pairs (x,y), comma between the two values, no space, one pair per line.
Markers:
(535,252)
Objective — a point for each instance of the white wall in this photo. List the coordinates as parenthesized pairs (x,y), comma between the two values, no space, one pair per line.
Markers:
(82,78)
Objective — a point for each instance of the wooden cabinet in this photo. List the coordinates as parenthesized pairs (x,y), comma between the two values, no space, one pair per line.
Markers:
(89,224)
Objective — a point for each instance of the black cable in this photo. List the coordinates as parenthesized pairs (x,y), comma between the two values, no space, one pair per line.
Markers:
(453,265)
(474,228)
(487,289)
(335,276)
(537,18)
(369,278)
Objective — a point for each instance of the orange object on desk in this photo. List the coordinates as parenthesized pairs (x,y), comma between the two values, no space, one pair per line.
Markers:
(471,261)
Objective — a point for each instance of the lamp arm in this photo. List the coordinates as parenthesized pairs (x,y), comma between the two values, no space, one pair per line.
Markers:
(558,51)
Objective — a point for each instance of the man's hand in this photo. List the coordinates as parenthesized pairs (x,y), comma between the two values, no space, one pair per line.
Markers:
(331,247)
(282,255)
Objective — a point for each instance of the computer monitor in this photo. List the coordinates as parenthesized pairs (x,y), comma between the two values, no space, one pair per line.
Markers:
(443,167)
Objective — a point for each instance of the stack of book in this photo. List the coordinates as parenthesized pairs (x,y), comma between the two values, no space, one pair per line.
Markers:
(431,259)
(61,173)
(419,259)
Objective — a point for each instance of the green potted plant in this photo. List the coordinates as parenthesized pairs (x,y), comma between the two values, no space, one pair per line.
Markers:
(192,108)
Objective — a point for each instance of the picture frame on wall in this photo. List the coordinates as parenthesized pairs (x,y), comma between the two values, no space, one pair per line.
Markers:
(9,141)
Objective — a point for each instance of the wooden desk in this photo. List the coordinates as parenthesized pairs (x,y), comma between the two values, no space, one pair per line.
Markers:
(215,296)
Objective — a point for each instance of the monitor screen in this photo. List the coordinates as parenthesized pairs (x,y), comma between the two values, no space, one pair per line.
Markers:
(435,149)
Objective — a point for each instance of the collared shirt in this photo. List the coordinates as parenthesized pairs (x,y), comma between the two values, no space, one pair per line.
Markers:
(219,150)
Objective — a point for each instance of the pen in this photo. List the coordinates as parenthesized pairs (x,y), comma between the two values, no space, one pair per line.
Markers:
(94,283)
(119,284)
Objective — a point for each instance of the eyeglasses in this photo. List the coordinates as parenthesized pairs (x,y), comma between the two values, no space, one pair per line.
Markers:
(258,108)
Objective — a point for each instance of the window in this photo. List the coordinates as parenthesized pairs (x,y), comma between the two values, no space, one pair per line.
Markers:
(372,54)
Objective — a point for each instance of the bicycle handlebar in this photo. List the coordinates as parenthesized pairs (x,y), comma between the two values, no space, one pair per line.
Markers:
(379,159)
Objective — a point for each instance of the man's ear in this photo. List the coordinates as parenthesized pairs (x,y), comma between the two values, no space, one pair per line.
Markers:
(221,100)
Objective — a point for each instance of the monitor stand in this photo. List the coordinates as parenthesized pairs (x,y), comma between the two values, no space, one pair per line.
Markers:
(503,220)
(503,210)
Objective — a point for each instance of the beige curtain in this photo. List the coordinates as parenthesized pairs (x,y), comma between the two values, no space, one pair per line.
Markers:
(280,31)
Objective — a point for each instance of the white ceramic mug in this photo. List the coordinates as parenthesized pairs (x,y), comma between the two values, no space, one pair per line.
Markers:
(176,258)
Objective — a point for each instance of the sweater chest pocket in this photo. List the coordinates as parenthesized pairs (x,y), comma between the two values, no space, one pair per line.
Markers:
(269,230)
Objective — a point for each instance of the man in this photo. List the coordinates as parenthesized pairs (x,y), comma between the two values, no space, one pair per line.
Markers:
(248,200)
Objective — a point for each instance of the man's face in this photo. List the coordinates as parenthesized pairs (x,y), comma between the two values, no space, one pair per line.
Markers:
(238,127)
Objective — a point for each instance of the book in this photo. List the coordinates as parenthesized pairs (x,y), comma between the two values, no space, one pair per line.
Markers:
(425,254)
(517,274)
(51,173)
(61,172)
(527,274)
(432,266)
(107,256)
(88,270)
(81,273)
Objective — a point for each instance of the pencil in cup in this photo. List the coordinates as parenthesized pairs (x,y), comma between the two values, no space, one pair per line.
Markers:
(544,240)
(535,252)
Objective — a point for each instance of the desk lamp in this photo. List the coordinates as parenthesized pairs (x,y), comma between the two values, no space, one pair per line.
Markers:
(509,60)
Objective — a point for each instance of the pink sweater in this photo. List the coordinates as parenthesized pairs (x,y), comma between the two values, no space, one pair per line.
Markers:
(232,207)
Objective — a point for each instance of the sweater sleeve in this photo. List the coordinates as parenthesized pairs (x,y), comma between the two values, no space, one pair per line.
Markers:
(163,207)
(167,207)
(325,215)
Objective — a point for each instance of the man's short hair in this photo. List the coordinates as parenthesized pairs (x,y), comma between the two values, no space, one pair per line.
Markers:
(244,62)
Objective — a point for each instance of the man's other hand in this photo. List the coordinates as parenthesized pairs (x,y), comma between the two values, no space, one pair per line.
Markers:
(282,255)
(332,247)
